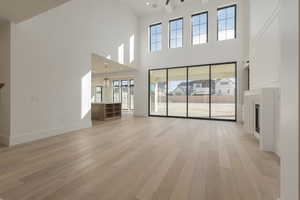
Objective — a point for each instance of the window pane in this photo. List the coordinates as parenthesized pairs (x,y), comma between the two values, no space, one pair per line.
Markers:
(98,94)
(176,33)
(230,24)
(226,23)
(222,25)
(155,37)
(117,95)
(203,39)
(202,29)
(179,24)
(179,35)
(177,92)
(199,29)
(173,35)
(223,91)
(196,30)
(116,83)
(158,29)
(198,92)
(173,26)
(231,12)
(125,97)
(179,42)
(158,38)
(173,44)
(196,20)
(124,83)
(196,40)
(222,14)
(158,91)
(132,97)
(203,19)
(222,35)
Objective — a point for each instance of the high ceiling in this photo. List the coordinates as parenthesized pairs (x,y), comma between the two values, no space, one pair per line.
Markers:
(147,7)
(19,10)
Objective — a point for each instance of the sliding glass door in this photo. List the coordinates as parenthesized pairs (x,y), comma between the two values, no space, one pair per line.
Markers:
(116,92)
(158,92)
(204,92)
(177,88)
(132,94)
(198,92)
(223,95)
(125,95)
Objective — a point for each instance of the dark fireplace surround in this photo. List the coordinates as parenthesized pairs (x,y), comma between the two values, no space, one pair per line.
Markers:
(257,118)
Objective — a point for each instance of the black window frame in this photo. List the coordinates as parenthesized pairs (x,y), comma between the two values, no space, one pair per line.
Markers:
(150,37)
(201,13)
(182,42)
(235,21)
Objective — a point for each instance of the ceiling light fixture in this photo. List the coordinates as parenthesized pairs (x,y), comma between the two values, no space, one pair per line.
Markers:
(168,1)
(150,4)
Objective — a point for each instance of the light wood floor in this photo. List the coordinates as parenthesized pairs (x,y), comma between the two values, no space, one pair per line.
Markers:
(142,159)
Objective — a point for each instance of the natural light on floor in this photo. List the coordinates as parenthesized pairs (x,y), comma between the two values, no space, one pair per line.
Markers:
(86,94)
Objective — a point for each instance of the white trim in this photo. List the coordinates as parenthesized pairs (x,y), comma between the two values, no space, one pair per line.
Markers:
(33,136)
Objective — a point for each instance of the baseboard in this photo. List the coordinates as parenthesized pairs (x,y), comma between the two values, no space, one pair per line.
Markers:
(33,136)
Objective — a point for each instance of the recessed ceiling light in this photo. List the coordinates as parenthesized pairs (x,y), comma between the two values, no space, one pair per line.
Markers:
(148,3)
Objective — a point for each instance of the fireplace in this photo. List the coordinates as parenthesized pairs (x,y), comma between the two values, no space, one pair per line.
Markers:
(261,108)
(257,118)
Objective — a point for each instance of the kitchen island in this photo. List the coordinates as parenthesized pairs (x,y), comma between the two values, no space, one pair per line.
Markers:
(106,111)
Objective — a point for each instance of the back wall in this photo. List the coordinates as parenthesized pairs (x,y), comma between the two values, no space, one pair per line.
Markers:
(212,52)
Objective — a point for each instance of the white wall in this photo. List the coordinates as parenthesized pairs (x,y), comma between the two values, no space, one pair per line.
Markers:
(212,52)
(5,78)
(289,80)
(264,33)
(274,63)
(51,64)
(266,51)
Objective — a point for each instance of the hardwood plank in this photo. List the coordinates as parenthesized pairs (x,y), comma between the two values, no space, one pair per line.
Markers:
(142,159)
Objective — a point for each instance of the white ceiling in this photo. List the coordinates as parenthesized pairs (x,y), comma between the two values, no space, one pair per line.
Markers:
(99,64)
(19,10)
(141,8)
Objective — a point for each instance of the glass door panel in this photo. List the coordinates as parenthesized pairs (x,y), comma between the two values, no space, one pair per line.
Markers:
(158,91)
(125,95)
(116,92)
(177,90)
(223,91)
(198,92)
(98,96)
(132,94)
